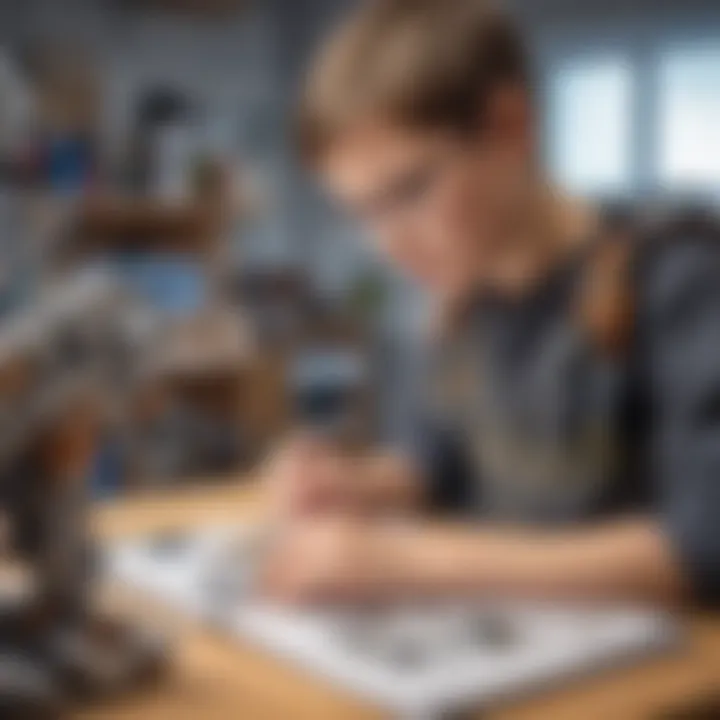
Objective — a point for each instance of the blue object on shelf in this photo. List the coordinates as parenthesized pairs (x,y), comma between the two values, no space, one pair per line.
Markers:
(172,283)
(69,163)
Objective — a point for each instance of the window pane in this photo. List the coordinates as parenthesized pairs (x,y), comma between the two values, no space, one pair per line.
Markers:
(591,125)
(689,152)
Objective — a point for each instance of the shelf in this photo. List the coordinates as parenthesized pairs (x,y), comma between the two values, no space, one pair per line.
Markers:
(123,223)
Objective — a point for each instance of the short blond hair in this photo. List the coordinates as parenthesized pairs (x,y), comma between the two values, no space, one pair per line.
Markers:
(420,63)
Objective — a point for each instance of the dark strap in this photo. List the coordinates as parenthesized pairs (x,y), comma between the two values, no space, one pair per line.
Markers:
(606,294)
(607,298)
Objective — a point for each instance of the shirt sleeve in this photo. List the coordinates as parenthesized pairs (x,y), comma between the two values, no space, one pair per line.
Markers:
(681,348)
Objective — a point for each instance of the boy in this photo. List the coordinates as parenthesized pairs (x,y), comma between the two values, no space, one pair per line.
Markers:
(574,414)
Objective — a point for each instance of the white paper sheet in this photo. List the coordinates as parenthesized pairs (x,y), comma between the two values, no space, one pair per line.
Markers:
(416,662)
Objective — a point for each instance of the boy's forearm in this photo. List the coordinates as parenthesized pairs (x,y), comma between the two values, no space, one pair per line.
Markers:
(626,560)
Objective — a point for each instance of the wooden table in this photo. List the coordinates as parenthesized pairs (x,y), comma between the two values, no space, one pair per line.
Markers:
(215,678)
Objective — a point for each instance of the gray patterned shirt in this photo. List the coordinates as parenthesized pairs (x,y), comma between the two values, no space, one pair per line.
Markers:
(535,425)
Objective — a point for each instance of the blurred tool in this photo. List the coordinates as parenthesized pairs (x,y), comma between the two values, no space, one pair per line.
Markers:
(57,362)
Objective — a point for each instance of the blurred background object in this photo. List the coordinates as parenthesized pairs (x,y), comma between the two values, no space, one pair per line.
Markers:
(67,367)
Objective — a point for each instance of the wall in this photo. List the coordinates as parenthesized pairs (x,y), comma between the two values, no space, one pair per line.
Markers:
(635,28)
(233,69)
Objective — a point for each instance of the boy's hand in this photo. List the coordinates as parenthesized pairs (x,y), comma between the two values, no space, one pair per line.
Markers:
(310,476)
(328,560)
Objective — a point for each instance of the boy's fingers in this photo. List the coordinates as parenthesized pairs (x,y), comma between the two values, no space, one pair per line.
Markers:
(311,481)
(279,580)
(270,574)
(306,445)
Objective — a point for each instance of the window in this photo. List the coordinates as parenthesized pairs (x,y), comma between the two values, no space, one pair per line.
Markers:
(591,125)
(689,118)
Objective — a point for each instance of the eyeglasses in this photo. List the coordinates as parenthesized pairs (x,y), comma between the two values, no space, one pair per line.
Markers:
(404,196)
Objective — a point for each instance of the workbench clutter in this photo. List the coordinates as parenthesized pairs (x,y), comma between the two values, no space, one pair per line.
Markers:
(192,410)
(60,387)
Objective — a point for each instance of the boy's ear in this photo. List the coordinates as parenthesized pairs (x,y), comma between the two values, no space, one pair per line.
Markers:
(506,117)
